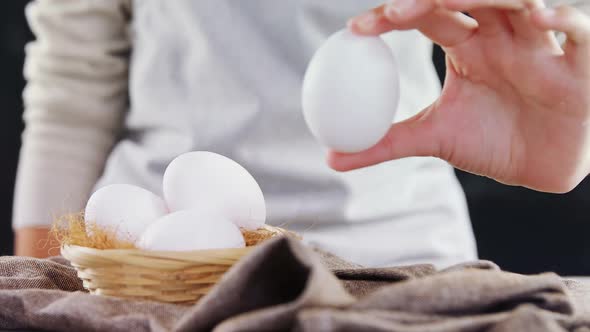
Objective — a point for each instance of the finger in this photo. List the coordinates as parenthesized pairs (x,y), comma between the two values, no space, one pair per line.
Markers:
(469,5)
(443,27)
(572,22)
(372,23)
(492,22)
(524,29)
(489,14)
(413,137)
(517,15)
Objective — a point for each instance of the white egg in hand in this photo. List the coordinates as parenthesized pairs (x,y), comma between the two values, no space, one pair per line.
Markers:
(124,208)
(351,92)
(208,181)
(191,230)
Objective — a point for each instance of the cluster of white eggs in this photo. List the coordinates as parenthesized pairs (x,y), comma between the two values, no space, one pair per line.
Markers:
(351,92)
(207,199)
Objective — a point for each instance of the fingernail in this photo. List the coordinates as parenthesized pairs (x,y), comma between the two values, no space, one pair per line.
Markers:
(364,22)
(398,7)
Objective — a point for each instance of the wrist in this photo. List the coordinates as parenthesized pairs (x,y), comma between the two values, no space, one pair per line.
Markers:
(35,242)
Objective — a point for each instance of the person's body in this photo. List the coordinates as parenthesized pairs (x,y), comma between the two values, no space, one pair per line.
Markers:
(225,77)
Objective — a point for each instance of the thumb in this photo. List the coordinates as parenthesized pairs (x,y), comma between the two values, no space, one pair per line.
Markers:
(413,137)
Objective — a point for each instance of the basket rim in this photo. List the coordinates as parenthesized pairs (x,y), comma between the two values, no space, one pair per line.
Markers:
(154,252)
(87,257)
(157,260)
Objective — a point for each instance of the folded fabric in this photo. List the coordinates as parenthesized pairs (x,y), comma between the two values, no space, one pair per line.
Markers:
(284,286)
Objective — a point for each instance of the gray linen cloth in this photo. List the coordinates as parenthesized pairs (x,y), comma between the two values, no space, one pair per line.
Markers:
(284,286)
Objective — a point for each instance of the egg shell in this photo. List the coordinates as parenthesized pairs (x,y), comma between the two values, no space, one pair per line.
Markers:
(191,230)
(208,181)
(351,92)
(125,208)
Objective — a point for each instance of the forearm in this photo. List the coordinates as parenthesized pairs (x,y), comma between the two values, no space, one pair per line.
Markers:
(74,101)
(46,189)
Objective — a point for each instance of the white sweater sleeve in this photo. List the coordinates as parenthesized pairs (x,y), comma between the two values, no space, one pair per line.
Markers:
(75,100)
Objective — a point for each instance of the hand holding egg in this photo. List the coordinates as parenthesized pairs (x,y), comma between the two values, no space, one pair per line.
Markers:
(513,99)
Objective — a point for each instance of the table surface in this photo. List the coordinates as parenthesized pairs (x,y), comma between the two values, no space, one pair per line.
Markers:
(580,279)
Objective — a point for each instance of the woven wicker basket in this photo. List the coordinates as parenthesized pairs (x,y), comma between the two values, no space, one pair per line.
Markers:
(172,277)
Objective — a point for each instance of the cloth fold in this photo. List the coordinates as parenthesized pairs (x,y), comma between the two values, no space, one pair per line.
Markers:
(284,286)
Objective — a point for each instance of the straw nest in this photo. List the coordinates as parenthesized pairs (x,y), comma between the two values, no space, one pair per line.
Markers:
(109,263)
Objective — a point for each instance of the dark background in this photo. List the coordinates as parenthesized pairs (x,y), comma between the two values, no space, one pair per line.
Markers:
(522,230)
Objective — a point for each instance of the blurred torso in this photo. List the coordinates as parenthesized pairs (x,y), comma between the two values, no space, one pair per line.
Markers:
(225,76)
